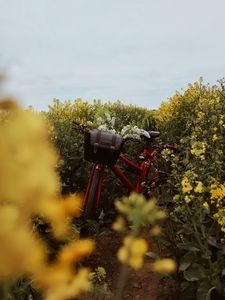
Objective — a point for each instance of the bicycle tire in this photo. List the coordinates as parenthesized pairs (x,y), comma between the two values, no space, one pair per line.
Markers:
(155,184)
(89,208)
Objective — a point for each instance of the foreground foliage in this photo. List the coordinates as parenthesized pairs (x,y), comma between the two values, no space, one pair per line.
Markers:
(30,188)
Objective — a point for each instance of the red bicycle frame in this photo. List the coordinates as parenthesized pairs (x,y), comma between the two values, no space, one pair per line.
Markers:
(142,169)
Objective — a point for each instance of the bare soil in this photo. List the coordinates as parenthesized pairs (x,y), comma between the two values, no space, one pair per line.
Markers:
(141,285)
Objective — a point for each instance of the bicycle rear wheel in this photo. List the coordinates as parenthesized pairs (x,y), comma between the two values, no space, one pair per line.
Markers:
(89,208)
(156,184)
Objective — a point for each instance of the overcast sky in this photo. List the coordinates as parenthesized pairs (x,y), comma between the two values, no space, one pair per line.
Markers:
(138,51)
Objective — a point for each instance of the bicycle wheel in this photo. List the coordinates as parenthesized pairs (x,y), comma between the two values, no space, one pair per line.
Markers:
(89,209)
(156,184)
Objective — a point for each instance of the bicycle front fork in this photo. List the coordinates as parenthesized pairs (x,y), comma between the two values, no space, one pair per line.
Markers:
(95,168)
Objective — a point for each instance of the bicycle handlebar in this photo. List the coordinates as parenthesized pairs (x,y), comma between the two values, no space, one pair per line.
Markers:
(80,127)
(83,128)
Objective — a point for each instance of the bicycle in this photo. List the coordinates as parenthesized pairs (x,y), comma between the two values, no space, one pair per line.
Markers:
(104,150)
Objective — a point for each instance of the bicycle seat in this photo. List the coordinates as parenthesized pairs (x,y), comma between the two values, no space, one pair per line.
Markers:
(154,134)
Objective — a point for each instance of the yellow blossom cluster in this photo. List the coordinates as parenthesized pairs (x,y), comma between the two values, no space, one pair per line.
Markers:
(30,187)
(218,193)
(164,265)
(198,149)
(138,210)
(199,187)
(167,154)
(218,198)
(132,252)
(186,186)
(190,184)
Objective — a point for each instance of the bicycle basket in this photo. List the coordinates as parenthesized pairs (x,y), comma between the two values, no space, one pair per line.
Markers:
(102,146)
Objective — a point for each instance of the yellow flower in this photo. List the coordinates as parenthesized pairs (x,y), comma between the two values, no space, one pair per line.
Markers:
(165,265)
(188,198)
(119,225)
(217,192)
(198,148)
(66,285)
(215,138)
(206,205)
(132,252)
(186,186)
(199,187)
(29,186)
(156,230)
(216,216)
(72,205)
(75,251)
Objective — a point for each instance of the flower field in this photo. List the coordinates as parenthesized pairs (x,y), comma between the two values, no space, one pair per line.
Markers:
(43,177)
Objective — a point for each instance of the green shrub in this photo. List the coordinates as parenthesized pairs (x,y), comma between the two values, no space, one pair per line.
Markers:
(195,120)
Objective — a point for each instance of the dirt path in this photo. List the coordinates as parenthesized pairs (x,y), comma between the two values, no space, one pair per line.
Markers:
(143,284)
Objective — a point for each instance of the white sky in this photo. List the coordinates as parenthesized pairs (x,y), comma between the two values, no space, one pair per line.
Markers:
(138,51)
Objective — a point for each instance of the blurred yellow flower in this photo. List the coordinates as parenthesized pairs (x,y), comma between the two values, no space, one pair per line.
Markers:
(214,138)
(119,224)
(132,252)
(72,205)
(29,186)
(156,230)
(206,205)
(75,251)
(165,265)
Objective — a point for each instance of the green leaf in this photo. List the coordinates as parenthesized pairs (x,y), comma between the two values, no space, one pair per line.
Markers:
(187,291)
(152,255)
(195,272)
(203,289)
(212,241)
(208,296)
(186,261)
(188,246)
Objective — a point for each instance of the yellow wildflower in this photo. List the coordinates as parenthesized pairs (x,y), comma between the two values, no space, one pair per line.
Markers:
(216,216)
(186,186)
(132,252)
(72,205)
(119,224)
(199,187)
(29,186)
(188,198)
(165,265)
(217,192)
(75,251)
(198,148)
(206,205)
(214,138)
(66,285)
(156,230)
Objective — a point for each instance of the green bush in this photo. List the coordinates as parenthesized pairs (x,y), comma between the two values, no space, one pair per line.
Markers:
(195,120)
